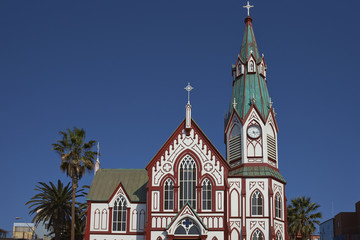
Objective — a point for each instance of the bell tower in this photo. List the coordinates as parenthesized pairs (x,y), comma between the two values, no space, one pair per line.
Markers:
(250,125)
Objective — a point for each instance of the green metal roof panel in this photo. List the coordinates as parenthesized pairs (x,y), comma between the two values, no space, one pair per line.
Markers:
(257,171)
(250,85)
(249,43)
(106,181)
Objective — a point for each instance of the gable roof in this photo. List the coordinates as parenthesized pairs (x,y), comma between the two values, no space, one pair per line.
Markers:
(106,181)
(186,211)
(174,135)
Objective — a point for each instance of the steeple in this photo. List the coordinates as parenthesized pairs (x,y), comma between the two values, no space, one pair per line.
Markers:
(188,88)
(97,163)
(249,76)
(250,126)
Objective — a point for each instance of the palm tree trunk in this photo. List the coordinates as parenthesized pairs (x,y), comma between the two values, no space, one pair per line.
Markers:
(74,186)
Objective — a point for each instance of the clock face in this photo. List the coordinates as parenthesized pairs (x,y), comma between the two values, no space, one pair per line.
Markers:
(254,131)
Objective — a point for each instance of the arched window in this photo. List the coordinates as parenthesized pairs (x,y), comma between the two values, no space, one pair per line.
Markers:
(206,194)
(257,235)
(187,227)
(252,66)
(278,206)
(119,214)
(169,195)
(278,236)
(257,203)
(240,69)
(188,182)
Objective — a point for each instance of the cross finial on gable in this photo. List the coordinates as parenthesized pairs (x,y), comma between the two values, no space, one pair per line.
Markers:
(248,6)
(188,88)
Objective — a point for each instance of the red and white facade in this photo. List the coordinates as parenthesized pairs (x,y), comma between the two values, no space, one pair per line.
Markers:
(193,192)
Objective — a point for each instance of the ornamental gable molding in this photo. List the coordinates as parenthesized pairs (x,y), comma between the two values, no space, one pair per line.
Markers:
(211,161)
(186,212)
(253,183)
(279,226)
(234,118)
(277,188)
(119,191)
(235,184)
(271,119)
(254,114)
(257,224)
(235,224)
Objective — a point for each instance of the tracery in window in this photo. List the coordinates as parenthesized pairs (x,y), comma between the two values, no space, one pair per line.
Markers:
(278,236)
(257,235)
(119,214)
(187,227)
(257,203)
(278,206)
(188,182)
(169,195)
(206,195)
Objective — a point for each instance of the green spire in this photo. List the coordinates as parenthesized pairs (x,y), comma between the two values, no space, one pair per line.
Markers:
(249,87)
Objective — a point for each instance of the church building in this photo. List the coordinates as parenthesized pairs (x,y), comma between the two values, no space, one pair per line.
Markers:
(188,190)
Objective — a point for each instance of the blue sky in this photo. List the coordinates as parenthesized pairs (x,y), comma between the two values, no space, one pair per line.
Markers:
(118,70)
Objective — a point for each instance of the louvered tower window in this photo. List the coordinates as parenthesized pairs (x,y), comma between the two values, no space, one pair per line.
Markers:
(235,143)
(271,145)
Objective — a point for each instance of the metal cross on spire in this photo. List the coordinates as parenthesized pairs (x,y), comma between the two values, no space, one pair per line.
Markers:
(248,6)
(188,88)
(234,103)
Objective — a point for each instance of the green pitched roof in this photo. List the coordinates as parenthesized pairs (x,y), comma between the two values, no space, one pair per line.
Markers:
(257,171)
(251,85)
(106,181)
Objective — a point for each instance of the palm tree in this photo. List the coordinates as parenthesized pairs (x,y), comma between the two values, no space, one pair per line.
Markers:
(76,158)
(80,216)
(52,204)
(302,217)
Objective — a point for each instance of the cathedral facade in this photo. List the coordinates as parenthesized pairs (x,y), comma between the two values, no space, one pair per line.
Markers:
(189,190)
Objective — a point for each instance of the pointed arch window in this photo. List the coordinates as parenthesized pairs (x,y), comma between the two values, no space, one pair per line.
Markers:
(257,203)
(240,69)
(278,206)
(278,236)
(169,195)
(188,182)
(119,214)
(251,66)
(257,235)
(206,195)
